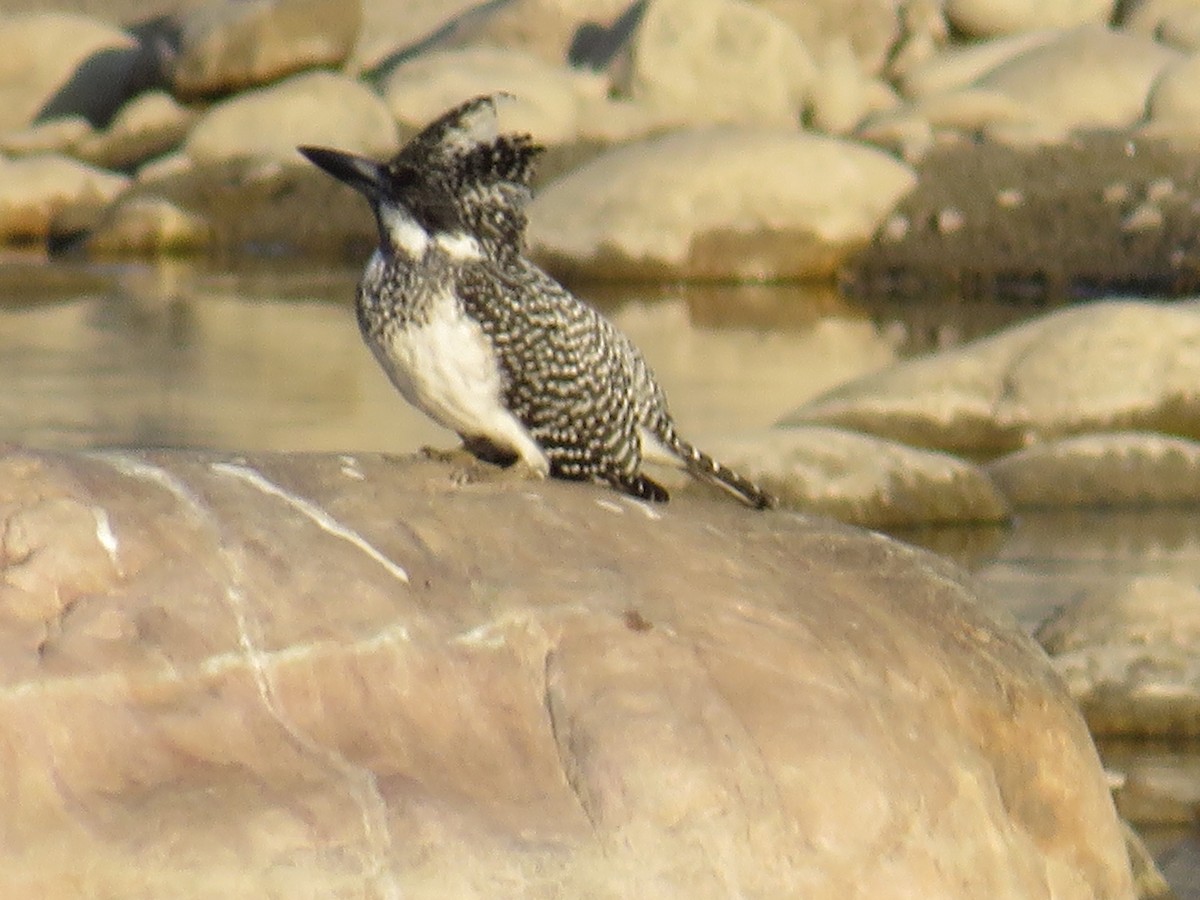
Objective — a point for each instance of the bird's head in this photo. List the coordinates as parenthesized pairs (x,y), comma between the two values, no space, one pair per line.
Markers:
(457,186)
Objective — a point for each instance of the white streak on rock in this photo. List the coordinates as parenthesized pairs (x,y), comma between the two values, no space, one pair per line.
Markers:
(350,468)
(649,511)
(610,506)
(106,536)
(360,780)
(310,511)
(485,635)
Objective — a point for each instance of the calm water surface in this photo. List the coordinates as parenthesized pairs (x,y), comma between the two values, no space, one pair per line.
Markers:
(269,357)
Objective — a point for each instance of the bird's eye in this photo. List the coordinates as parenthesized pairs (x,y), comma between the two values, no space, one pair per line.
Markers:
(402,177)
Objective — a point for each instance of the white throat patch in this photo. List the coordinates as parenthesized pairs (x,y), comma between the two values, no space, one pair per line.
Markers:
(409,238)
(403,231)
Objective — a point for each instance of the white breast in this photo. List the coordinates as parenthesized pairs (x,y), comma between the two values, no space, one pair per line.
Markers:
(448,369)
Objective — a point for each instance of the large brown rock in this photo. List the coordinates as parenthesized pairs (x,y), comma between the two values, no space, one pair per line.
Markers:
(34,190)
(343,676)
(1111,365)
(717,203)
(225,46)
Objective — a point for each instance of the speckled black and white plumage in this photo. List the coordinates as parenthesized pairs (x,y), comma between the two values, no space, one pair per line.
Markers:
(487,344)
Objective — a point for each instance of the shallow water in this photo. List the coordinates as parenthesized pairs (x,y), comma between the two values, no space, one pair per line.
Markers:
(268,357)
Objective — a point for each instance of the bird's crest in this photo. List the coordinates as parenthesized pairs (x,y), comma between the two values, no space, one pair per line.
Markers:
(483,173)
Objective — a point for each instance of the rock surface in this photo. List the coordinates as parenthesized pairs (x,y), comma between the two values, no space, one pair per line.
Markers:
(36,189)
(62,64)
(992,17)
(716,203)
(701,61)
(1088,77)
(148,126)
(547,101)
(860,479)
(1131,468)
(314,108)
(1101,367)
(224,46)
(336,675)
(1130,655)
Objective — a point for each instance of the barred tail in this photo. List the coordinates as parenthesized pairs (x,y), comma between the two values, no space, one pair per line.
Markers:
(700,465)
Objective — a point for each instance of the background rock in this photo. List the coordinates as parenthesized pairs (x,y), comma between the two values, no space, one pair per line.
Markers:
(1104,366)
(314,108)
(58,64)
(958,67)
(547,101)
(35,189)
(1115,469)
(860,479)
(1130,656)
(983,18)
(148,126)
(716,203)
(872,28)
(224,46)
(1088,77)
(698,61)
(61,135)
(541,685)
(147,225)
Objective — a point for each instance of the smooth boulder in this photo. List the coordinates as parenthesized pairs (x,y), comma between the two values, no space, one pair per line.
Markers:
(1105,366)
(717,203)
(246,676)
(314,108)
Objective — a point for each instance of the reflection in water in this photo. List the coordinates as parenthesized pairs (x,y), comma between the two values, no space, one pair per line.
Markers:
(271,359)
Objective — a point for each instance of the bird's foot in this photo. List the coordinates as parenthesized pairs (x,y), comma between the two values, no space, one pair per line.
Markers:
(643,488)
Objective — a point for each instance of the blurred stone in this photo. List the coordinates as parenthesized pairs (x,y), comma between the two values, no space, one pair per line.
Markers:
(986,18)
(396,32)
(543,686)
(314,108)
(547,29)
(701,61)
(148,126)
(716,203)
(1174,96)
(871,27)
(1107,469)
(51,136)
(1148,880)
(1151,17)
(923,32)
(59,64)
(860,479)
(960,65)
(1104,366)
(840,91)
(1181,29)
(1088,77)
(228,45)
(148,226)
(1158,793)
(36,189)
(966,110)
(393,26)
(547,101)
(1130,656)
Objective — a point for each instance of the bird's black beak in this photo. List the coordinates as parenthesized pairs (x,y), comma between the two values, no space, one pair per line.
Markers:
(362,174)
